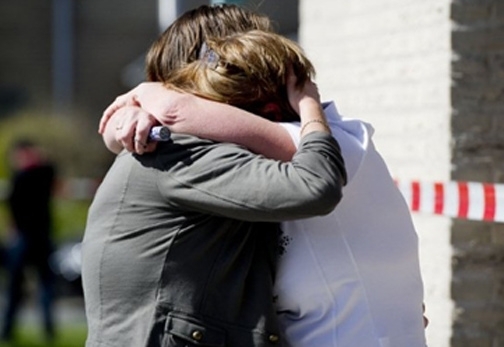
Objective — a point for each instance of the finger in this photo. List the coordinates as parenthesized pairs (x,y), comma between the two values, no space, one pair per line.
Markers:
(140,146)
(118,103)
(127,141)
(128,99)
(145,122)
(126,132)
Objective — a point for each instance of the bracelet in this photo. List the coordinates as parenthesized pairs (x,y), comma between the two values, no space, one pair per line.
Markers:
(324,123)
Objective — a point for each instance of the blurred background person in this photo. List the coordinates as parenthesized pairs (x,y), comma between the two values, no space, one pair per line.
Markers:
(29,243)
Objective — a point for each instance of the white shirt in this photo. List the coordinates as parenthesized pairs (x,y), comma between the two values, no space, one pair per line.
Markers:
(352,278)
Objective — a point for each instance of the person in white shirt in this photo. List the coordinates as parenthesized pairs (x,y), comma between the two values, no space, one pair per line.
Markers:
(351,278)
(348,279)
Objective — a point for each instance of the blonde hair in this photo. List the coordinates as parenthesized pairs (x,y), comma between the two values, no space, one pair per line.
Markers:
(181,42)
(247,70)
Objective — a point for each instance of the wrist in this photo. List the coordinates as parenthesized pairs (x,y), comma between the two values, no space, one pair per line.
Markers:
(314,125)
(309,107)
(312,117)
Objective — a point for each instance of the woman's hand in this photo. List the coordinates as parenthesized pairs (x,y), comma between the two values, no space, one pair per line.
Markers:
(133,131)
(129,128)
(298,94)
(134,113)
(153,97)
(305,99)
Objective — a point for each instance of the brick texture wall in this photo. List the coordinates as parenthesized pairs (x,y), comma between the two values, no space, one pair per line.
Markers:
(429,76)
(388,62)
(478,154)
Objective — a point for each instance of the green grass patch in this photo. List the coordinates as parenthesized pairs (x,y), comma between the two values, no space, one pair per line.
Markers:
(69,336)
(70,218)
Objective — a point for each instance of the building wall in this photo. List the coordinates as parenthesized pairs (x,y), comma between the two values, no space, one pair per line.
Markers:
(108,35)
(388,62)
(283,13)
(478,155)
(25,57)
(108,43)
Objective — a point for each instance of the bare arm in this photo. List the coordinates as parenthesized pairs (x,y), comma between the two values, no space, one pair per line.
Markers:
(152,103)
(185,113)
(124,129)
(223,123)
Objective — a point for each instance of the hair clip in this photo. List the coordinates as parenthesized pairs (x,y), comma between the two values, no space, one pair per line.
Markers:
(208,56)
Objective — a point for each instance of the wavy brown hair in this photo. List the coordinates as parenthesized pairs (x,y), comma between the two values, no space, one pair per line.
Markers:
(181,42)
(247,70)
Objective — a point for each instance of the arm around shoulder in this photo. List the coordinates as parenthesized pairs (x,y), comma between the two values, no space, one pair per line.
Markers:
(229,181)
(324,181)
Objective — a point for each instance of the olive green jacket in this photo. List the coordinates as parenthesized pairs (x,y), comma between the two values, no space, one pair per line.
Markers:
(176,251)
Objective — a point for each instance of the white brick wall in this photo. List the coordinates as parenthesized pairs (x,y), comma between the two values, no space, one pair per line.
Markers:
(388,62)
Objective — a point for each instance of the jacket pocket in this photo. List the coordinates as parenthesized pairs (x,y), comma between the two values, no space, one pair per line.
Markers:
(187,331)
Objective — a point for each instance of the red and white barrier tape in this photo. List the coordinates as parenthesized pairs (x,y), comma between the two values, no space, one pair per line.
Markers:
(466,200)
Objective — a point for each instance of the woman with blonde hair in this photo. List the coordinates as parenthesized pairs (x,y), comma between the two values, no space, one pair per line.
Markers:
(249,71)
(180,244)
(350,278)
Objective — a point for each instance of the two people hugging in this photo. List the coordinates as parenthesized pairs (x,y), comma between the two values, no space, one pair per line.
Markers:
(182,243)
